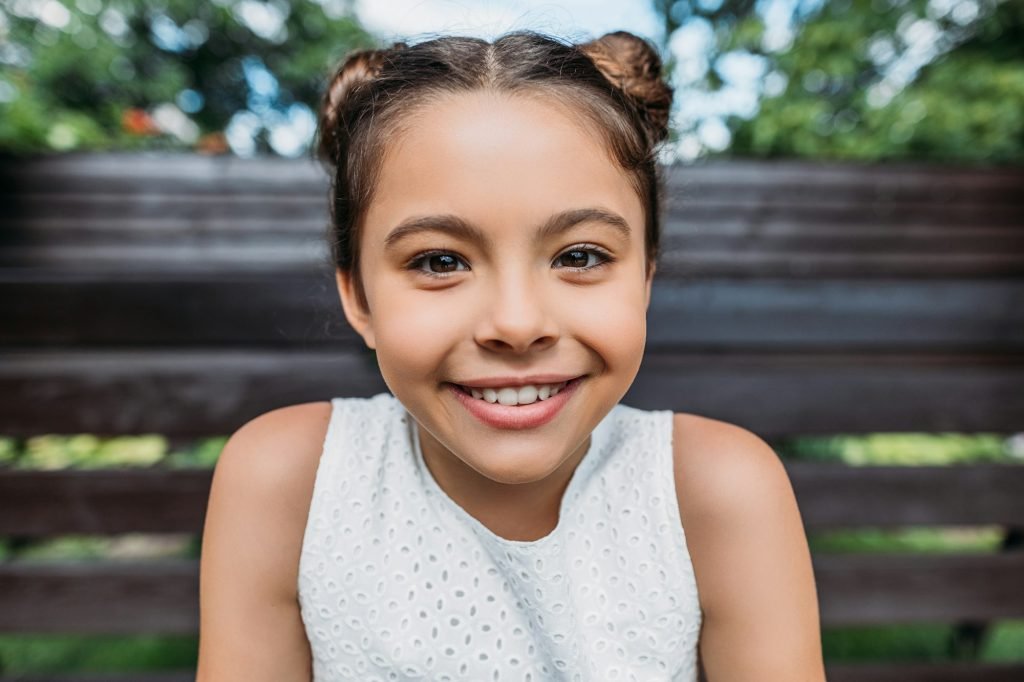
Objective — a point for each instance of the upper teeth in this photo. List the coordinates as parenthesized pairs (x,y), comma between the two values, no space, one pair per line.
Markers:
(517,395)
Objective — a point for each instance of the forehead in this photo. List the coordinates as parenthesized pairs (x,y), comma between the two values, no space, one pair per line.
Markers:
(498,160)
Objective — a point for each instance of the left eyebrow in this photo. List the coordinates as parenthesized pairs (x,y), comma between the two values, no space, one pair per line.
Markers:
(459,228)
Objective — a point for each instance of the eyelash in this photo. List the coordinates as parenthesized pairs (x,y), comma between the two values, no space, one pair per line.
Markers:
(419,258)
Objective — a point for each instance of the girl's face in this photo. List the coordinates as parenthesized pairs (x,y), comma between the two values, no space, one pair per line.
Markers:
(513,302)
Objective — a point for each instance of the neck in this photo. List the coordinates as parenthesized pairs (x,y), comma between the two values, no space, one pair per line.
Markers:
(515,511)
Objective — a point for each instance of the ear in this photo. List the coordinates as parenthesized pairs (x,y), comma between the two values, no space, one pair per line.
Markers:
(650,281)
(356,315)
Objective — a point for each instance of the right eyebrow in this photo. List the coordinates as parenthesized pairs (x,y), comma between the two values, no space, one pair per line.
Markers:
(451,225)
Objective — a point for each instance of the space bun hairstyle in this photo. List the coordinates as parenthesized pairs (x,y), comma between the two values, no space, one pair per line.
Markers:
(613,84)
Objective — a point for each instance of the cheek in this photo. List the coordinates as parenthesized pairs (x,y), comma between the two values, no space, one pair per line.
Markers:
(614,325)
(414,333)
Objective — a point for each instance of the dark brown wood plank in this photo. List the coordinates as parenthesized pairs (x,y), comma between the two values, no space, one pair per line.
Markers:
(162,596)
(951,671)
(28,206)
(777,179)
(212,392)
(863,589)
(103,502)
(176,393)
(122,597)
(837,496)
(247,256)
(889,178)
(285,308)
(183,676)
(267,309)
(780,394)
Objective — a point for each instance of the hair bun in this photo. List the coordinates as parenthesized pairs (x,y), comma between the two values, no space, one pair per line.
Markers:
(633,65)
(360,66)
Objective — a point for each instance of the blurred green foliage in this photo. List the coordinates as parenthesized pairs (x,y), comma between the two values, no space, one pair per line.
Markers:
(865,80)
(902,449)
(939,80)
(86,451)
(922,642)
(165,74)
(55,654)
(909,540)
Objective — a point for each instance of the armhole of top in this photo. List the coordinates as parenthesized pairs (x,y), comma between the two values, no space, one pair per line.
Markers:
(671,491)
(327,466)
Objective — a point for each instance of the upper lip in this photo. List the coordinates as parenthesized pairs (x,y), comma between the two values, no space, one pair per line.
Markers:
(501,382)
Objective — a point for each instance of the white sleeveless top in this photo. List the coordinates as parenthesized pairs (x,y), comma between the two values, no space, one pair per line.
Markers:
(397,582)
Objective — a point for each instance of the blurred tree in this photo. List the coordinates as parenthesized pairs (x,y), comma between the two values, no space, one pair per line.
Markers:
(101,74)
(939,80)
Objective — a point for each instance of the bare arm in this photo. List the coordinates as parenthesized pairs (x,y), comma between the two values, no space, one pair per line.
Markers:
(250,628)
(750,556)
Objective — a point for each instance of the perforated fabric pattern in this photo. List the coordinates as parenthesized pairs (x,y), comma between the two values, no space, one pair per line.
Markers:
(397,582)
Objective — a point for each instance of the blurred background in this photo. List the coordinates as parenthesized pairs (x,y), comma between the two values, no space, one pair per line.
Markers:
(916,83)
(845,79)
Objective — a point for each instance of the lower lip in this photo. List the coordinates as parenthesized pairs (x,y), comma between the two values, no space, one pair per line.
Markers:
(529,416)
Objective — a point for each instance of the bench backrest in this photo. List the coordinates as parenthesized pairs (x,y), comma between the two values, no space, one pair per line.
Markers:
(184,295)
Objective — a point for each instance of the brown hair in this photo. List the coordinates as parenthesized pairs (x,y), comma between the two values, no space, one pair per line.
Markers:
(615,81)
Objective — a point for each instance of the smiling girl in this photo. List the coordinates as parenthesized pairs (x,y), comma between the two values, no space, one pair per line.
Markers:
(500,514)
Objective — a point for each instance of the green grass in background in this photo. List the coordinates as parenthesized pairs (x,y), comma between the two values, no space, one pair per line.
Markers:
(917,643)
(51,654)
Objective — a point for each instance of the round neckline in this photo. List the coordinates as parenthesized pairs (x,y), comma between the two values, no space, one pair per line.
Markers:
(589,460)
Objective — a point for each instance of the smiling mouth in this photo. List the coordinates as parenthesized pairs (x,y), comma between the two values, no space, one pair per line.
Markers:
(514,396)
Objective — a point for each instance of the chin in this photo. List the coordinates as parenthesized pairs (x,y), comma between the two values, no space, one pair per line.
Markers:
(517,470)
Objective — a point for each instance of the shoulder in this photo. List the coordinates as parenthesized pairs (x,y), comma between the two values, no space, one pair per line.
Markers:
(286,441)
(717,462)
(749,552)
(265,473)
(727,478)
(250,624)
(278,451)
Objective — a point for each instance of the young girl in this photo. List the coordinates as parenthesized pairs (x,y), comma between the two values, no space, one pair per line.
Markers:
(500,514)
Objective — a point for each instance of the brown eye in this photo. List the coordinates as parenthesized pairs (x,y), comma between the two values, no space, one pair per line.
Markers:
(576,258)
(444,262)
(438,264)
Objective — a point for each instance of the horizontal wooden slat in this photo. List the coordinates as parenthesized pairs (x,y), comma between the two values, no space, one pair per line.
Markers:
(122,597)
(862,589)
(103,502)
(114,259)
(176,393)
(208,392)
(832,495)
(925,672)
(777,179)
(162,596)
(290,308)
(255,310)
(159,201)
(183,676)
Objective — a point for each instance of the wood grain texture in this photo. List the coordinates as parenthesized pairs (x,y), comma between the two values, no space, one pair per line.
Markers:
(830,496)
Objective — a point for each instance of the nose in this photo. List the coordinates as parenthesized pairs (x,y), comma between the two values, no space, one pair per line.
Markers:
(515,317)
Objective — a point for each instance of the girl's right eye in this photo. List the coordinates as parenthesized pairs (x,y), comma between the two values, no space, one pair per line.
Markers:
(445,260)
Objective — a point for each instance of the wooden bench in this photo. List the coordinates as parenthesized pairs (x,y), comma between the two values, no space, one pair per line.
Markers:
(183,295)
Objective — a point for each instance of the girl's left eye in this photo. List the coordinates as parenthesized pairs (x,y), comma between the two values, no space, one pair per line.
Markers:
(582,258)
